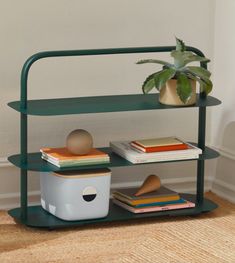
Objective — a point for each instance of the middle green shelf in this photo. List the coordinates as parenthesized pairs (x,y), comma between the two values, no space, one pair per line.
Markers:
(35,163)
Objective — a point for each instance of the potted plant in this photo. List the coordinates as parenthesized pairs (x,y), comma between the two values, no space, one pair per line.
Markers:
(176,82)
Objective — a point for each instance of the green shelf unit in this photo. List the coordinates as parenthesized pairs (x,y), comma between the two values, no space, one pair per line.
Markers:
(35,162)
(35,216)
(38,217)
(98,104)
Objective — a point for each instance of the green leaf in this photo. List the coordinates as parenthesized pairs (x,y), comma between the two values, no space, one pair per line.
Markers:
(199,71)
(193,77)
(203,78)
(184,89)
(180,46)
(153,61)
(148,84)
(194,58)
(163,76)
(180,57)
(183,58)
(205,83)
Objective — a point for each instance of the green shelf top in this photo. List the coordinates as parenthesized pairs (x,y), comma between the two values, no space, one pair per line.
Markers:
(35,162)
(38,217)
(98,104)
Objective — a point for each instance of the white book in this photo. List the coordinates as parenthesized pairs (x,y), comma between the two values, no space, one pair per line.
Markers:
(125,150)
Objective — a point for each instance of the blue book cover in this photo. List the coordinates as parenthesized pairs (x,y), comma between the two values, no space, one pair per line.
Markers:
(180,201)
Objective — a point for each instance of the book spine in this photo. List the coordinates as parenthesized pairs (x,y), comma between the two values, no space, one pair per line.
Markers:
(169,153)
(165,208)
(170,158)
(75,157)
(74,161)
(70,164)
(122,154)
(180,201)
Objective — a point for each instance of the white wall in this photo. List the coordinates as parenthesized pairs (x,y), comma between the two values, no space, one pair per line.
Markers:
(27,27)
(223,117)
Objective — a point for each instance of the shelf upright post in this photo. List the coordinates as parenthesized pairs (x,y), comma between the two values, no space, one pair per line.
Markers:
(24,172)
(201,144)
(201,163)
(24,143)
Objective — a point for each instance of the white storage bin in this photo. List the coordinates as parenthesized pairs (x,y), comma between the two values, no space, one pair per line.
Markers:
(76,195)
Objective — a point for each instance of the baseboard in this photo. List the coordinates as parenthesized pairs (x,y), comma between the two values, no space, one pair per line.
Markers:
(183,184)
(219,187)
(5,163)
(224,190)
(11,200)
(225,152)
(187,185)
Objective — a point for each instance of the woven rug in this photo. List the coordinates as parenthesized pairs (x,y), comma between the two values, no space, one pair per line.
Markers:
(206,238)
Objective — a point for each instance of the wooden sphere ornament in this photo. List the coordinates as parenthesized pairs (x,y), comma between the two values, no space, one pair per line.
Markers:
(79,142)
(150,184)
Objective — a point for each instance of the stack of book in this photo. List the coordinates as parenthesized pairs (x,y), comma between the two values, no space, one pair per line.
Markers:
(160,144)
(61,157)
(159,200)
(155,150)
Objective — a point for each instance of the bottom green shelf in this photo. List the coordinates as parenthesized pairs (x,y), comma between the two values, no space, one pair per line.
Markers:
(38,217)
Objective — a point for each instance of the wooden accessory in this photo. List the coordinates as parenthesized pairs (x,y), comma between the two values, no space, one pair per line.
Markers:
(151,183)
(79,142)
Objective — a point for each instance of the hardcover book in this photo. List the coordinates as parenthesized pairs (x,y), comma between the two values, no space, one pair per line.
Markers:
(172,147)
(61,157)
(125,150)
(129,193)
(147,200)
(187,204)
(163,194)
(61,154)
(164,141)
(75,162)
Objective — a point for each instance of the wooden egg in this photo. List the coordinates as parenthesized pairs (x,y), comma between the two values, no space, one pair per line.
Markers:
(79,142)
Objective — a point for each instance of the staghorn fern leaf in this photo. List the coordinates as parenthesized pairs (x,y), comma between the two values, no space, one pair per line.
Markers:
(194,58)
(199,71)
(148,84)
(181,59)
(184,89)
(180,46)
(163,76)
(206,84)
(161,62)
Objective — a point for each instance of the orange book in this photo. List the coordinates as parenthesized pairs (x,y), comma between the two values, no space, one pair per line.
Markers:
(164,148)
(62,154)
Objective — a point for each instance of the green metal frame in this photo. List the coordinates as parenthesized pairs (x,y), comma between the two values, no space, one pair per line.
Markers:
(92,52)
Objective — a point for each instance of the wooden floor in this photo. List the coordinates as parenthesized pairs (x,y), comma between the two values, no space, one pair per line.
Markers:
(206,238)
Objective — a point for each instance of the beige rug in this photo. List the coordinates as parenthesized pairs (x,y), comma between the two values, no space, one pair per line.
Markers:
(206,238)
